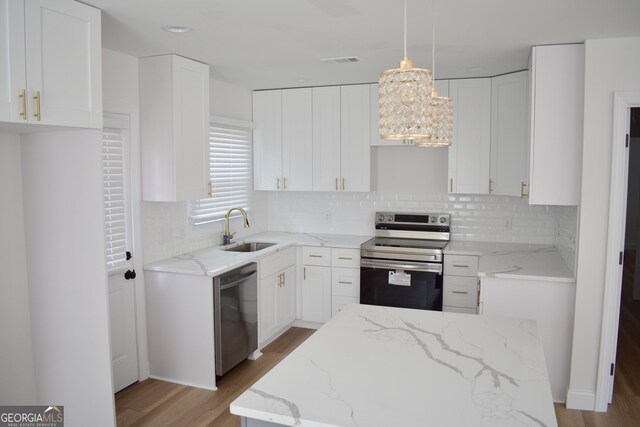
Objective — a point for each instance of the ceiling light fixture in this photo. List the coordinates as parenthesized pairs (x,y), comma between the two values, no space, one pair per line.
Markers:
(177,29)
(404,95)
(440,107)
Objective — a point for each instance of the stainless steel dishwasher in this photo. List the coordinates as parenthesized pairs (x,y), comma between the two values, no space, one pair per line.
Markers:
(235,311)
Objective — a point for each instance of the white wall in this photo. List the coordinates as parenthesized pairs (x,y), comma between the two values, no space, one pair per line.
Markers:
(63,218)
(119,78)
(17,374)
(610,65)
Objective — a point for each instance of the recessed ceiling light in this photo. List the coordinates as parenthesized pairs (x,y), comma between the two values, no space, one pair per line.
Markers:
(177,29)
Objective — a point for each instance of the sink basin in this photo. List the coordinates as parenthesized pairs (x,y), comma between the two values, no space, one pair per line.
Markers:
(249,247)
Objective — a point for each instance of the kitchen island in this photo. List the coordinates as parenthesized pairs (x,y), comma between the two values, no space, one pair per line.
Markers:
(381,366)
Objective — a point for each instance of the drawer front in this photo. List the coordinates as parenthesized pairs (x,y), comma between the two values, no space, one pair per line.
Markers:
(461,265)
(277,262)
(316,256)
(338,303)
(448,309)
(345,282)
(460,291)
(349,258)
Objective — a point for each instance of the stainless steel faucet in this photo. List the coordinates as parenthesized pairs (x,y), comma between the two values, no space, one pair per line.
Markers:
(226,238)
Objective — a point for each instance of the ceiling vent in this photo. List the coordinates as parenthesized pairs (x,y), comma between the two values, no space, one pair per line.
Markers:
(340,60)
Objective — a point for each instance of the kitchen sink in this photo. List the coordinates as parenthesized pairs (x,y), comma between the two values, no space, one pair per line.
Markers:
(249,247)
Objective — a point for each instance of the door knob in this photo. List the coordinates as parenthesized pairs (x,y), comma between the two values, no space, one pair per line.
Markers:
(130,274)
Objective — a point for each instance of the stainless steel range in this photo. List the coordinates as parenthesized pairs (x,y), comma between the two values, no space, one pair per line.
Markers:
(402,265)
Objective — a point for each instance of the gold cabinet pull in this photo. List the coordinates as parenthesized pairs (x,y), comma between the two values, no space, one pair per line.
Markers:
(460,292)
(490,186)
(23,99)
(343,184)
(278,183)
(284,280)
(522,186)
(315,256)
(345,257)
(337,188)
(210,185)
(461,265)
(478,300)
(304,273)
(345,283)
(284,183)
(450,185)
(37,99)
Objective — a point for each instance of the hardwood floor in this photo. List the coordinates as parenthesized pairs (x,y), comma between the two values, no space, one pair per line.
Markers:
(158,403)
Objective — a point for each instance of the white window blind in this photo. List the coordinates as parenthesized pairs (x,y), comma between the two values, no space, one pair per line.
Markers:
(230,170)
(114,140)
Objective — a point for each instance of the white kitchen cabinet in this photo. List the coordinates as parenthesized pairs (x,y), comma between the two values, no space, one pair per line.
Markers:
(180,328)
(283,139)
(316,293)
(267,140)
(442,86)
(469,154)
(276,294)
(174,128)
(557,108)
(341,138)
(509,141)
(460,289)
(51,55)
(551,304)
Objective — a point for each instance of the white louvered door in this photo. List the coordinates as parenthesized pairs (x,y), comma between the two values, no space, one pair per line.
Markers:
(118,250)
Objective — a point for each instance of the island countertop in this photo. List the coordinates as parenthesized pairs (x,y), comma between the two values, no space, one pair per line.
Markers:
(381,366)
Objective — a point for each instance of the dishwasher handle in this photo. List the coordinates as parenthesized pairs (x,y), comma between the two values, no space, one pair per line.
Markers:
(235,283)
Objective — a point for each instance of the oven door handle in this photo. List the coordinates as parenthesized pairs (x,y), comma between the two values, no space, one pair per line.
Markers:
(386,265)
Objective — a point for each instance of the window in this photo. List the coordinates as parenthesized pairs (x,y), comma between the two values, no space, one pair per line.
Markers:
(230,169)
(115,142)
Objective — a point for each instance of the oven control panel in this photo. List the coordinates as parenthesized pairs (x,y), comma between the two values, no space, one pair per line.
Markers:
(412,218)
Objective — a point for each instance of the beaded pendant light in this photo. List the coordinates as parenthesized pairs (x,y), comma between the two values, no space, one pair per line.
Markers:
(404,98)
(440,108)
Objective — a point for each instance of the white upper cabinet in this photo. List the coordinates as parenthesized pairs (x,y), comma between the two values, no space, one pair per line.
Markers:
(267,140)
(283,139)
(174,128)
(469,154)
(52,52)
(557,106)
(355,128)
(326,138)
(509,142)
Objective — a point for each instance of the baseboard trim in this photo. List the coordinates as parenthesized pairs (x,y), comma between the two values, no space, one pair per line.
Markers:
(171,380)
(308,325)
(584,400)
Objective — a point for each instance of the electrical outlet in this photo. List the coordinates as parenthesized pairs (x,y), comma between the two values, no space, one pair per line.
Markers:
(327,217)
(508,225)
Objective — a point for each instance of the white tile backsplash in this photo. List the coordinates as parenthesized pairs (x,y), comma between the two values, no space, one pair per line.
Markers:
(566,232)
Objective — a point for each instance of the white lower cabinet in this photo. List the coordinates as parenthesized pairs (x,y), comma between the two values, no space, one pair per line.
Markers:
(276,294)
(316,294)
(551,305)
(460,290)
(345,288)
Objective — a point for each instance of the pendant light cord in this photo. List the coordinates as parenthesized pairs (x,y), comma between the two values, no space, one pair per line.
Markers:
(405,28)
(433,41)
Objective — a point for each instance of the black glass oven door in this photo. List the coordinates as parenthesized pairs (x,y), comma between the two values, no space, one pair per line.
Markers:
(395,284)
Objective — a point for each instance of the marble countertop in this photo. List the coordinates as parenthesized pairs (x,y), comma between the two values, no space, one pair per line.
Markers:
(381,366)
(515,260)
(214,261)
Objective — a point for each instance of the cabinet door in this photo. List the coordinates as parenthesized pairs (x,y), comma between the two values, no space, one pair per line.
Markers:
(268,307)
(469,155)
(557,124)
(509,134)
(191,128)
(297,140)
(12,72)
(63,57)
(326,138)
(267,140)
(355,131)
(316,294)
(285,304)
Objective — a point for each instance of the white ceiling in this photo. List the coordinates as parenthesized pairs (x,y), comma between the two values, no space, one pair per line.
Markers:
(263,44)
